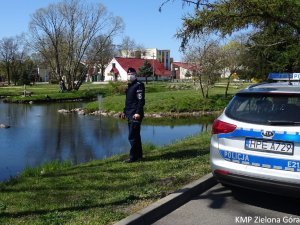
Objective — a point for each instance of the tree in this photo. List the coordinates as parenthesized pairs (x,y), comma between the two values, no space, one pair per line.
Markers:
(273,27)
(146,70)
(100,52)
(229,16)
(139,51)
(26,74)
(62,32)
(283,56)
(232,59)
(7,52)
(127,47)
(207,60)
(13,53)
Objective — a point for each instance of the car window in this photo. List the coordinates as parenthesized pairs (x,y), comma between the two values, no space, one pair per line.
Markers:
(261,108)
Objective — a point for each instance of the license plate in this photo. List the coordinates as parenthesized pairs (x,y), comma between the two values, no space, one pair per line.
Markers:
(280,147)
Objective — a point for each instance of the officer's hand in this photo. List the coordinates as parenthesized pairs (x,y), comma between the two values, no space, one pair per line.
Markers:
(122,115)
(136,116)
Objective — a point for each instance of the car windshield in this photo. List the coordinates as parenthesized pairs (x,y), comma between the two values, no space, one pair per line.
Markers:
(265,108)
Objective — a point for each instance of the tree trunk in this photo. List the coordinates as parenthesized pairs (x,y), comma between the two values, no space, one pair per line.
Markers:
(81,79)
(201,86)
(227,85)
(8,74)
(207,88)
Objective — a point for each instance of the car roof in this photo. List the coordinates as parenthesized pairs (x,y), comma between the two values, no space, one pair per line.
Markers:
(277,87)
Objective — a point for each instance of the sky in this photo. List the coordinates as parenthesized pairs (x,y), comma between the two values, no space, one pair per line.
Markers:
(143,21)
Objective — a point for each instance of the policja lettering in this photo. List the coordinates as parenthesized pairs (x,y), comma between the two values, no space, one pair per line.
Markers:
(236,156)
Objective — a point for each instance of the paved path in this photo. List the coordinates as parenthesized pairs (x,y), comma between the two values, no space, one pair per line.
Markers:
(168,204)
(221,206)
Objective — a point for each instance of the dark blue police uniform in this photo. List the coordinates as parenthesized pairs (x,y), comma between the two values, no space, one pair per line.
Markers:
(134,104)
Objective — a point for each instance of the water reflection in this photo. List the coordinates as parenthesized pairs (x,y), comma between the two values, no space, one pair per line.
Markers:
(39,134)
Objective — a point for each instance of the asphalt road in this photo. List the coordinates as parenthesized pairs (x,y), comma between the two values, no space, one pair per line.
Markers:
(223,206)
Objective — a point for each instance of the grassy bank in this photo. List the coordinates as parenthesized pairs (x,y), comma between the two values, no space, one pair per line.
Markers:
(50,93)
(103,191)
(170,101)
(161,97)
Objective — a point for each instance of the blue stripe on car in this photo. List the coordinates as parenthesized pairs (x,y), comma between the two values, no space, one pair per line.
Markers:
(258,134)
(261,161)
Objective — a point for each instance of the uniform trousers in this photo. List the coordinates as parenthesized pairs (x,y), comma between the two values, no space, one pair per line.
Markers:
(134,138)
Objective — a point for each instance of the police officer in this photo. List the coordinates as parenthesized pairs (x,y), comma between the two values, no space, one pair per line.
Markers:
(134,111)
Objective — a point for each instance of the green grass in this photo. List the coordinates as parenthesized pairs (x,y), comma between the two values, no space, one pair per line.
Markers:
(172,101)
(172,98)
(160,97)
(105,191)
(102,191)
(45,168)
(48,93)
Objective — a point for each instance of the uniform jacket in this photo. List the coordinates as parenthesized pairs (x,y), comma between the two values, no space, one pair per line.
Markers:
(135,99)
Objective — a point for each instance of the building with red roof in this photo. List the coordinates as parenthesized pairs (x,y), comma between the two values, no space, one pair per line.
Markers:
(117,68)
(182,70)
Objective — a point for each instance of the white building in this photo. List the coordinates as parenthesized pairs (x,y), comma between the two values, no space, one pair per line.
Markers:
(44,74)
(118,66)
(163,56)
(182,70)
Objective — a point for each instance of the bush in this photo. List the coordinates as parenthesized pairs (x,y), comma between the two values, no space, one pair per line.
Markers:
(117,87)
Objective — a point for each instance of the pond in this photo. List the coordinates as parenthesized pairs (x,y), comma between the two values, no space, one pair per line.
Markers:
(39,134)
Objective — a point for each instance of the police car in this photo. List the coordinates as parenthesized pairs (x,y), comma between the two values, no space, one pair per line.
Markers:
(255,142)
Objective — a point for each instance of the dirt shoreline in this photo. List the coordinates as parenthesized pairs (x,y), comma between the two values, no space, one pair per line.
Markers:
(147,115)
